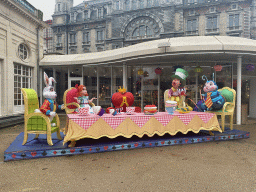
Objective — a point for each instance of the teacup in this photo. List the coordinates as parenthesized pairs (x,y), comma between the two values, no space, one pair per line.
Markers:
(84,110)
(130,109)
(170,106)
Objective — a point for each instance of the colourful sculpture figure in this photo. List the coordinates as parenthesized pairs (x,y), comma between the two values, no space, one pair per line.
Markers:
(212,99)
(122,99)
(176,94)
(83,98)
(49,106)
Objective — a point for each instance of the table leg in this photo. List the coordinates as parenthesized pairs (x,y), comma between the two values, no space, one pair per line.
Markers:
(66,127)
(72,144)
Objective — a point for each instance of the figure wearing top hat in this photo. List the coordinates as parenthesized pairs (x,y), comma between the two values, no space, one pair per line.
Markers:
(175,93)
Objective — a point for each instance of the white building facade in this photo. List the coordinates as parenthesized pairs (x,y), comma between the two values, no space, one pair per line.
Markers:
(21,48)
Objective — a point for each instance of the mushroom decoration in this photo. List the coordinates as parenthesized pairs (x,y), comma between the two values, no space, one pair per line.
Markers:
(217,67)
(122,99)
(158,71)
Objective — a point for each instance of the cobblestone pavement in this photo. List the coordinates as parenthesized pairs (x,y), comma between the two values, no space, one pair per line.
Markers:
(214,166)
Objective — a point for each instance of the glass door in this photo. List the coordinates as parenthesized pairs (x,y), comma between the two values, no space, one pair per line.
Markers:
(74,80)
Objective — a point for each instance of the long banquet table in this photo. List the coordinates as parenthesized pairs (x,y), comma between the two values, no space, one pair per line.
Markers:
(93,126)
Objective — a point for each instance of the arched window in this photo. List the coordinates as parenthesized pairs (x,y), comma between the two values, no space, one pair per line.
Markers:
(135,32)
(148,31)
(142,29)
(23,51)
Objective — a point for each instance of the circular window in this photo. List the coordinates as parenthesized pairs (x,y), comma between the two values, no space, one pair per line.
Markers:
(23,51)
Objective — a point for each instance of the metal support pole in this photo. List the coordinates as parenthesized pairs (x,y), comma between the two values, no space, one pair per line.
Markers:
(124,76)
(232,75)
(158,93)
(54,76)
(41,85)
(238,91)
(142,79)
(83,75)
(111,87)
(69,81)
(196,86)
(98,86)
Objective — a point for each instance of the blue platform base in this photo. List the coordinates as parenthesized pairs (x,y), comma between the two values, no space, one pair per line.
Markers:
(38,148)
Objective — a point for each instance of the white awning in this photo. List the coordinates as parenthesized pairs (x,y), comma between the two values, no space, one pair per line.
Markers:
(195,48)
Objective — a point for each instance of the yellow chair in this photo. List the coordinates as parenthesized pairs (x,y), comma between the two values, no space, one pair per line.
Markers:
(181,103)
(37,123)
(228,107)
(68,110)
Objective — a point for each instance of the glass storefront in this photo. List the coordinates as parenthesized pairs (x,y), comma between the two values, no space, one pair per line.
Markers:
(148,88)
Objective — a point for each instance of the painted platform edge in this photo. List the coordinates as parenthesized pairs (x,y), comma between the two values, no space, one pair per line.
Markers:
(22,155)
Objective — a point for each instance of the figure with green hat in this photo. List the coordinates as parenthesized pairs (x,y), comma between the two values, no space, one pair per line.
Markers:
(174,93)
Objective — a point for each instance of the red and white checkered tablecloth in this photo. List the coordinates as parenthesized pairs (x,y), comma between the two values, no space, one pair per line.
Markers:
(164,119)
(186,118)
(114,122)
(140,120)
(84,121)
(206,116)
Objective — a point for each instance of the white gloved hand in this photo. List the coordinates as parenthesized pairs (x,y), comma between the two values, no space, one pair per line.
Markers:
(52,114)
(62,106)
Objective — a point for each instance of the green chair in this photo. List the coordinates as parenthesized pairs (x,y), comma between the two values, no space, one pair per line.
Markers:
(229,106)
(37,123)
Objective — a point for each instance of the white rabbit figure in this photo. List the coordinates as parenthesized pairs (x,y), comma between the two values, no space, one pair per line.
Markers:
(49,106)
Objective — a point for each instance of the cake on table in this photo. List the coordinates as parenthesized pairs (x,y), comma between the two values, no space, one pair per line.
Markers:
(150,110)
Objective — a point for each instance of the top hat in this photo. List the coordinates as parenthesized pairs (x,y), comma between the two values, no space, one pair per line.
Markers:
(180,74)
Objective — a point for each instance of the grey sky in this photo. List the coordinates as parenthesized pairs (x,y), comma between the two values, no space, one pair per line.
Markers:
(47,6)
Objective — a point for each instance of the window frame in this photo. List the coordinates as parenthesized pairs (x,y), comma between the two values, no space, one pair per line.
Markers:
(234,27)
(192,32)
(101,32)
(23,76)
(212,30)
(86,34)
(21,52)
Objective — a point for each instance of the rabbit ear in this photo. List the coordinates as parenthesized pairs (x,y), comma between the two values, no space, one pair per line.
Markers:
(46,79)
(51,79)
